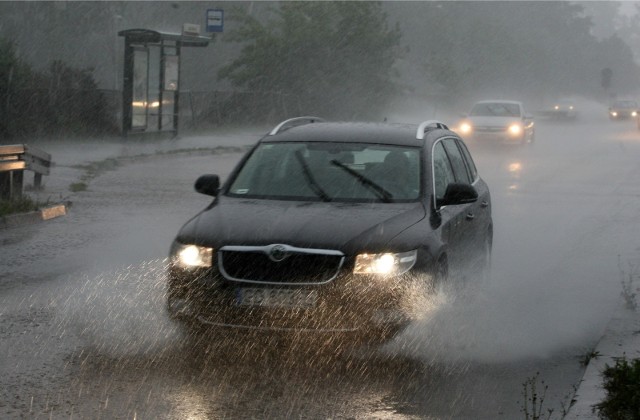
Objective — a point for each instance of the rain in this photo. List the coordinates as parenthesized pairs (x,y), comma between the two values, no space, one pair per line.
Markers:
(84,327)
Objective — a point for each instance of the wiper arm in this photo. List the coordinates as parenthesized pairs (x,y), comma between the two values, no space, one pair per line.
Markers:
(313,184)
(382,194)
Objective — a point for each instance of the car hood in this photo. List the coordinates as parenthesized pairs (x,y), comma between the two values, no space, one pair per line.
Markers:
(346,227)
(493,121)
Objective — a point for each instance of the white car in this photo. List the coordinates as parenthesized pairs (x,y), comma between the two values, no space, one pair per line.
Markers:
(498,121)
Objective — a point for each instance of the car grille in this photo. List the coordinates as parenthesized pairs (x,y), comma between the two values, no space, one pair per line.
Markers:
(490,129)
(279,264)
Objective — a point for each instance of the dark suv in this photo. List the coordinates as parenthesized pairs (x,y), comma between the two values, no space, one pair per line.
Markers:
(330,227)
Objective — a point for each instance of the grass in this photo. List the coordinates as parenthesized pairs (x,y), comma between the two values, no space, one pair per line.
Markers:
(78,186)
(20,205)
(588,357)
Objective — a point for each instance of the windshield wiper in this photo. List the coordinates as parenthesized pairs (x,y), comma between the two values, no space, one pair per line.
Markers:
(313,184)
(382,194)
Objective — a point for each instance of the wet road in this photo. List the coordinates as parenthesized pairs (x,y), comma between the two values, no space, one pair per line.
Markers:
(83,332)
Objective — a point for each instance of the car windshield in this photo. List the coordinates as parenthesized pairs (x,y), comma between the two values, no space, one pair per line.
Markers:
(336,172)
(495,109)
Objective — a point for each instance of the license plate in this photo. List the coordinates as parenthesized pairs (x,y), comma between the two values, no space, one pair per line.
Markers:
(276,298)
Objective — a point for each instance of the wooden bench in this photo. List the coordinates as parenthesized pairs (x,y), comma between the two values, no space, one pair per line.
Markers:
(14,160)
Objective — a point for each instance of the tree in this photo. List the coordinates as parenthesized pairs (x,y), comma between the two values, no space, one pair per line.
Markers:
(335,58)
(62,100)
(536,51)
(14,76)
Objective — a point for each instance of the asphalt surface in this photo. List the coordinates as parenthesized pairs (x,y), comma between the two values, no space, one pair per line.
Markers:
(621,337)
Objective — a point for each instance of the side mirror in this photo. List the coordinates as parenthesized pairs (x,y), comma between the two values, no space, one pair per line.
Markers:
(458,194)
(208,185)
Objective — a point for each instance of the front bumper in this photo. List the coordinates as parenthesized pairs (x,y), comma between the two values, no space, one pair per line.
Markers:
(347,304)
(501,136)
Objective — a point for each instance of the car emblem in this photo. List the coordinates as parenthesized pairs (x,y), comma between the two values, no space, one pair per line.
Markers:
(278,253)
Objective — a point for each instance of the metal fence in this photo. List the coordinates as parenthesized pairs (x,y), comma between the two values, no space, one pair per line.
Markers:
(203,109)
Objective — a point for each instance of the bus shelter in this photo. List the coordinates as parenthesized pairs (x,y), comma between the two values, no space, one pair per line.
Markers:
(151,83)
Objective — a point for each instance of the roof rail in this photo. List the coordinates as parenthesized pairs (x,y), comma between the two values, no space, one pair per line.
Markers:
(292,122)
(423,126)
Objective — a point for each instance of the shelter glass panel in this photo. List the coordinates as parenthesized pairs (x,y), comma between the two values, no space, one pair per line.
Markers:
(140,97)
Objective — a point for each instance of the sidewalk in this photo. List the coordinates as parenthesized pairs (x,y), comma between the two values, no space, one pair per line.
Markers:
(68,153)
(620,339)
(72,160)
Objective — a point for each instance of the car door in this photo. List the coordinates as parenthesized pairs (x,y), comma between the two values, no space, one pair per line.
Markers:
(453,216)
(480,211)
(467,226)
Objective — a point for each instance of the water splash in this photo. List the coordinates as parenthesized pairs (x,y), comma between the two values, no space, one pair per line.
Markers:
(121,312)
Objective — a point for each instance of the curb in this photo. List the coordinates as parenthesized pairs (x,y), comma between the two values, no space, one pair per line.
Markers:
(46,213)
(621,339)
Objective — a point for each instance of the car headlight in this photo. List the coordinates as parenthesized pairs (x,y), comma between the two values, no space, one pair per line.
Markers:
(557,107)
(465,128)
(634,114)
(191,256)
(614,114)
(387,263)
(515,129)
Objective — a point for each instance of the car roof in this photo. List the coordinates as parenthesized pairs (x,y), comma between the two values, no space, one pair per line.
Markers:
(625,101)
(353,132)
(500,101)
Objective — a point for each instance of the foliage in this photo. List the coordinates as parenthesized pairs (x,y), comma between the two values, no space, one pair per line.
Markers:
(532,406)
(514,49)
(75,103)
(622,385)
(14,76)
(589,356)
(335,58)
(18,205)
(61,100)
(78,186)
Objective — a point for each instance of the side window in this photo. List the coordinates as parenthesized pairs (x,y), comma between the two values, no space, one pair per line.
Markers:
(470,164)
(457,161)
(442,172)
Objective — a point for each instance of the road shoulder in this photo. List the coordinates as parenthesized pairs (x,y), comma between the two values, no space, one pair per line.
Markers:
(22,219)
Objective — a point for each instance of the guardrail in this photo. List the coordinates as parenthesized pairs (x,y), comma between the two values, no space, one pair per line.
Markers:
(14,160)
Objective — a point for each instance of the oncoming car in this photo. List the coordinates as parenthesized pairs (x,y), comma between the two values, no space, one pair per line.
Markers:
(623,110)
(498,121)
(564,109)
(333,228)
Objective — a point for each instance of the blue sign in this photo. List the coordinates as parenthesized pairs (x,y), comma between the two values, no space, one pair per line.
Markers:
(215,20)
